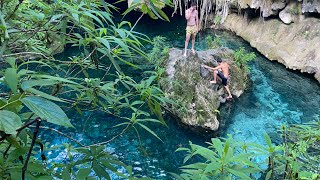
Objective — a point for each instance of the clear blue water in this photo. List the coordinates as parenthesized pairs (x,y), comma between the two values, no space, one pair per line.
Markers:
(276,96)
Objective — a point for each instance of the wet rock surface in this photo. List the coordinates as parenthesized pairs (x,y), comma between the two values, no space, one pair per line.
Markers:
(188,84)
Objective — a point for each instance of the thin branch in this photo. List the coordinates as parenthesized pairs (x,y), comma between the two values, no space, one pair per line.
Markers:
(35,133)
(62,134)
(113,138)
(23,54)
(26,125)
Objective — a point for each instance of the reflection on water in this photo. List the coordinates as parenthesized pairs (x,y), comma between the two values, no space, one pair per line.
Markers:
(276,97)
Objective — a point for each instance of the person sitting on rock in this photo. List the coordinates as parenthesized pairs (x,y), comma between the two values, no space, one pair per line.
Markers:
(222,70)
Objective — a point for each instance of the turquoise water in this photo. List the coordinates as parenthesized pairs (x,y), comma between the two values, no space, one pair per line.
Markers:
(276,96)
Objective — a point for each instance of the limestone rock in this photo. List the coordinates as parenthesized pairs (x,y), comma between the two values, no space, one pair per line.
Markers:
(189,84)
(311,6)
(278,5)
(296,45)
(286,16)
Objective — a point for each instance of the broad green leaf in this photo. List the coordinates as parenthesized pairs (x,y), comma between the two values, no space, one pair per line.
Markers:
(11,79)
(47,110)
(13,155)
(42,82)
(44,95)
(11,61)
(9,122)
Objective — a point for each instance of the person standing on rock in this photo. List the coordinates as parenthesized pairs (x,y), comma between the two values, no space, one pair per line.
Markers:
(192,28)
(222,70)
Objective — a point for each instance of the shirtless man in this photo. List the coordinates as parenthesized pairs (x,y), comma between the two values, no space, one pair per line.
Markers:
(192,27)
(224,74)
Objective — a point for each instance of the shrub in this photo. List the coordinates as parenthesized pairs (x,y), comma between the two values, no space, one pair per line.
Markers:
(213,42)
(159,52)
(296,157)
(242,58)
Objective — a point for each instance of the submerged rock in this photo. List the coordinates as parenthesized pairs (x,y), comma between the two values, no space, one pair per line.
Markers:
(189,85)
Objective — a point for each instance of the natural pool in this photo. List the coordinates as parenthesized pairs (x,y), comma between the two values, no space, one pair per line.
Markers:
(276,96)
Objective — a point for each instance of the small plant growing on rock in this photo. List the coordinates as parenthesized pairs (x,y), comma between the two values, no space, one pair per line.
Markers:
(217,20)
(213,42)
(159,52)
(242,58)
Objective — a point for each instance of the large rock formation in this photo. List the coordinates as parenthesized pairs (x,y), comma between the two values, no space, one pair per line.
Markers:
(188,84)
(296,45)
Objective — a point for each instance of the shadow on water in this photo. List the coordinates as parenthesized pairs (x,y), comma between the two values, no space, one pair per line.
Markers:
(276,96)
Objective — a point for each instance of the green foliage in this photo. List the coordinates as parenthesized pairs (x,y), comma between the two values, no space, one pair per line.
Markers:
(213,43)
(160,51)
(217,19)
(38,89)
(150,7)
(242,58)
(222,160)
(296,158)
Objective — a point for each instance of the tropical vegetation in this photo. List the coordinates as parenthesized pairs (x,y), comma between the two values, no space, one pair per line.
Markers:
(40,89)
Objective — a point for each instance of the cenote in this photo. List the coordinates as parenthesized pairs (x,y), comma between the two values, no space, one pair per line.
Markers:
(275,96)
(84,94)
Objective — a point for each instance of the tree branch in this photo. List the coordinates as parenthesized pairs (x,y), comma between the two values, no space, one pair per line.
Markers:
(62,134)
(15,9)
(35,133)
(23,54)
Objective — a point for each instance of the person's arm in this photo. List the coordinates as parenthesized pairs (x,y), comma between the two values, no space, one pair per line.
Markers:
(187,14)
(212,68)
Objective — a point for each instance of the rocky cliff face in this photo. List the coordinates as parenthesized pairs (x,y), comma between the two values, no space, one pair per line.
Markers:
(297,45)
(189,85)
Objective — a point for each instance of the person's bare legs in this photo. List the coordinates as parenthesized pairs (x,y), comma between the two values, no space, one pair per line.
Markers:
(193,41)
(229,93)
(215,72)
(186,44)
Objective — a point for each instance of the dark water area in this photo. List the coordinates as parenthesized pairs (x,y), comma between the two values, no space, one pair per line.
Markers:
(276,96)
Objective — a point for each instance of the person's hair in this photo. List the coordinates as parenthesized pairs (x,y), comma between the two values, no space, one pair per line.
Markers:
(193,4)
(218,59)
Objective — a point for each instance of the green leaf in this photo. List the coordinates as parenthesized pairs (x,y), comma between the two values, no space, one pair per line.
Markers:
(163,15)
(43,82)
(239,174)
(268,175)
(13,155)
(47,110)
(83,173)
(100,171)
(268,140)
(11,61)
(11,79)
(44,95)
(9,122)
(150,131)
(66,174)
(217,144)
